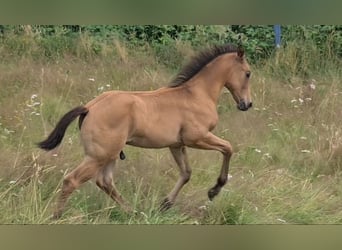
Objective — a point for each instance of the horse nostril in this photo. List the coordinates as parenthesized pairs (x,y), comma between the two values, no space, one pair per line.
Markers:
(244,105)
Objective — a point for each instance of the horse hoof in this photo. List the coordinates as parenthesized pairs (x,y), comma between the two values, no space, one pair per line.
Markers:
(212,193)
(128,210)
(56,216)
(131,212)
(165,205)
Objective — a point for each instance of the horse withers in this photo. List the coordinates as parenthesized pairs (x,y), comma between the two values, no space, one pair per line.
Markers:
(178,116)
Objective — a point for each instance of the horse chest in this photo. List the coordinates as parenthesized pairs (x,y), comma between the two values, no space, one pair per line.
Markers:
(206,121)
(198,128)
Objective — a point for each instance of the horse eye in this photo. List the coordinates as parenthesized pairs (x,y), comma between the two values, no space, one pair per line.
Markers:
(248,74)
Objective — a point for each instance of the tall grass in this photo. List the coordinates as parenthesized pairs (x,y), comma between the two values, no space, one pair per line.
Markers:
(286,167)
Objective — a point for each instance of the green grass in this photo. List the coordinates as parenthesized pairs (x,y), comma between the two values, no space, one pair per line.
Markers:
(287,165)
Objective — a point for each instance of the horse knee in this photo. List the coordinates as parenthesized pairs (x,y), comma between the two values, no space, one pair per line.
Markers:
(103,181)
(227,149)
(69,185)
(99,183)
(69,182)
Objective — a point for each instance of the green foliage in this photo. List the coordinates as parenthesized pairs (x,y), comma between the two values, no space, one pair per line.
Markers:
(258,40)
(327,38)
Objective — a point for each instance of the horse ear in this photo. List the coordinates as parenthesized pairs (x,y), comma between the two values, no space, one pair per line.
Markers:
(240,51)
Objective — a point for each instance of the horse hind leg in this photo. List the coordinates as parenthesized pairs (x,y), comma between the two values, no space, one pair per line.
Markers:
(84,172)
(104,180)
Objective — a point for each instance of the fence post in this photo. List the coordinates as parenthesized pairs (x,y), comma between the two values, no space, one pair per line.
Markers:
(277,31)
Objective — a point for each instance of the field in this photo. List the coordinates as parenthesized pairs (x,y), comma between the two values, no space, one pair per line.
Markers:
(287,162)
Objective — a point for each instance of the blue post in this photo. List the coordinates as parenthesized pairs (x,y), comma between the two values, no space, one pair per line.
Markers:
(277,30)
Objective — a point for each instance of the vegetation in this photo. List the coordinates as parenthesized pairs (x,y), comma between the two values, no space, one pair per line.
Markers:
(287,166)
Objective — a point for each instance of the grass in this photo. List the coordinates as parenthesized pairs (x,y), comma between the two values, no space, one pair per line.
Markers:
(287,165)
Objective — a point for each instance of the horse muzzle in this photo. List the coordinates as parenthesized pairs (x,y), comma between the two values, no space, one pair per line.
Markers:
(243,106)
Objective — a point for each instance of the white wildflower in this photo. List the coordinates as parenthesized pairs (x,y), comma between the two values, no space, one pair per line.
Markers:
(204,207)
(33,104)
(305,151)
(257,150)
(280,171)
(34,113)
(267,155)
(7,131)
(281,220)
(252,174)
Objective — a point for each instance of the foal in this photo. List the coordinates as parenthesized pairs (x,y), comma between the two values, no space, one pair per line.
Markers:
(178,116)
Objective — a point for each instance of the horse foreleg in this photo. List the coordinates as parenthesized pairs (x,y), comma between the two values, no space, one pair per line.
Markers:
(180,156)
(212,142)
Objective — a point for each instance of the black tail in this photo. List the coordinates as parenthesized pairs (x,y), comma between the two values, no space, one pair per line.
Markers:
(56,136)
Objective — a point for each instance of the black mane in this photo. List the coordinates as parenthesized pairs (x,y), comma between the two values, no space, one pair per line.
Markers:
(199,61)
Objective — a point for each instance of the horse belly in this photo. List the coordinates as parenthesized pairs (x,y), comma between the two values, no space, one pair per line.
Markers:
(155,123)
(155,139)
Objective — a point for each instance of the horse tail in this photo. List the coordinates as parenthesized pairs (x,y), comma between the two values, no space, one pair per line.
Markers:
(56,136)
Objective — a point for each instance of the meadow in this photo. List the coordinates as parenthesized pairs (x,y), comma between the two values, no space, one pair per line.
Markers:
(287,161)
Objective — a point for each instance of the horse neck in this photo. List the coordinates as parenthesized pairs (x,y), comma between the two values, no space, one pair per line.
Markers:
(208,82)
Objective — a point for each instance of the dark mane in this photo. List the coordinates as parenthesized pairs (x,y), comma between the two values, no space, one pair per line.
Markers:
(199,61)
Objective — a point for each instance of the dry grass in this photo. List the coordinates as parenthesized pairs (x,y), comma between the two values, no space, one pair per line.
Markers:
(288,150)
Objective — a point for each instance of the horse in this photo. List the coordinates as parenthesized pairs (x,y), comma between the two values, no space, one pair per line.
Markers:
(177,116)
